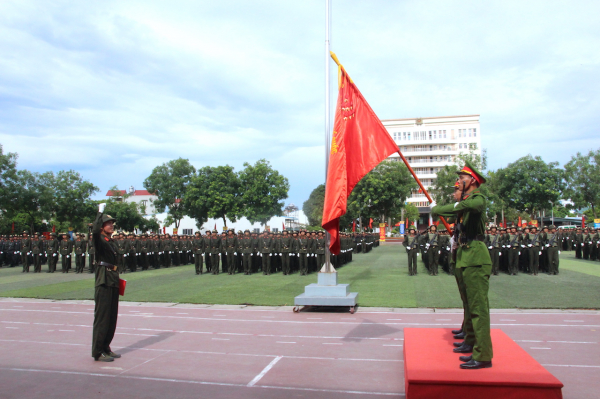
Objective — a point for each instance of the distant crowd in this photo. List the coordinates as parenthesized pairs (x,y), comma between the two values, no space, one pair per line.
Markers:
(287,252)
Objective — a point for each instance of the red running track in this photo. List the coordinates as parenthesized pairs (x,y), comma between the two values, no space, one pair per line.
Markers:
(192,351)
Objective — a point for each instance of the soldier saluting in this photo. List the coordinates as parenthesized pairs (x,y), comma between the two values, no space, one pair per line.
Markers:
(474,264)
(106,294)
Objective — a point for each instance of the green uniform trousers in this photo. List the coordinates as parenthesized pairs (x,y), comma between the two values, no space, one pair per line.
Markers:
(552,260)
(412,261)
(477,320)
(105,318)
(433,258)
(462,291)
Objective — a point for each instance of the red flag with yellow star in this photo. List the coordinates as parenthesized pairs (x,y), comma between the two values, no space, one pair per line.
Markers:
(360,142)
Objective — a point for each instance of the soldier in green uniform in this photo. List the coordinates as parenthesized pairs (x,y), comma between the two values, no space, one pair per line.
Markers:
(302,251)
(432,250)
(513,244)
(265,248)
(37,250)
(52,252)
(80,249)
(231,246)
(106,295)
(198,252)
(410,242)
(534,243)
(493,243)
(473,260)
(65,249)
(246,247)
(215,247)
(25,251)
(285,248)
(551,243)
(206,254)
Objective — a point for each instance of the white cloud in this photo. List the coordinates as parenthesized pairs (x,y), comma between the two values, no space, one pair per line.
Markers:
(114,88)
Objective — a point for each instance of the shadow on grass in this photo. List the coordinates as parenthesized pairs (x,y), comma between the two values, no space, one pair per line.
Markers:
(364,275)
(368,329)
(146,342)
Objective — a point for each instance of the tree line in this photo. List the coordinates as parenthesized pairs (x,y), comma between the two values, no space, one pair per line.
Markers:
(527,188)
(43,201)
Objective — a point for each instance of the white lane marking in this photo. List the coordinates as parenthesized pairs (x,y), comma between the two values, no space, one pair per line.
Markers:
(218,315)
(392,345)
(533,347)
(139,335)
(526,340)
(134,311)
(130,377)
(221,339)
(571,342)
(242,334)
(264,371)
(15,322)
(312,322)
(182,313)
(12,328)
(112,368)
(569,365)
(67,330)
(284,342)
(214,353)
(141,364)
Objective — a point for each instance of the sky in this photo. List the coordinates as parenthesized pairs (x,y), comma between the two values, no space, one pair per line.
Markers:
(112,89)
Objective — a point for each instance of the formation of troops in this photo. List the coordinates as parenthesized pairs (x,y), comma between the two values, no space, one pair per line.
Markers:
(245,252)
(513,249)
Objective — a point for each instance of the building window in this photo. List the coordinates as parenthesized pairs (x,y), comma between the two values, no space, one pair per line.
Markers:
(474,132)
(409,136)
(188,232)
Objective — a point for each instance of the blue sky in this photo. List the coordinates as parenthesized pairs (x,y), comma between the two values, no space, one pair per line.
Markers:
(113,88)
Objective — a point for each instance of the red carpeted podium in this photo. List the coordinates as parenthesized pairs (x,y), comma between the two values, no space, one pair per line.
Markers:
(431,370)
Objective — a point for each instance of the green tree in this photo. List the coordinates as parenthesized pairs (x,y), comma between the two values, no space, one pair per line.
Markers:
(72,203)
(583,181)
(529,184)
(263,191)
(32,194)
(8,177)
(411,213)
(214,192)
(313,206)
(382,192)
(169,183)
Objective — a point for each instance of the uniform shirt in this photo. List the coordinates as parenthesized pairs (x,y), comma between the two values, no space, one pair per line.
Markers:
(472,210)
(106,251)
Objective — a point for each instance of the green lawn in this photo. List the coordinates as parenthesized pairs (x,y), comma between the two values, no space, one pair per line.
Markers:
(379,277)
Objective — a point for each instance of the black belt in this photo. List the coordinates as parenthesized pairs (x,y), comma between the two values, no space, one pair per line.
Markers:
(109,266)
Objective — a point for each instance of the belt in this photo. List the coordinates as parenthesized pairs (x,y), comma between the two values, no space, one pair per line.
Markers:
(109,266)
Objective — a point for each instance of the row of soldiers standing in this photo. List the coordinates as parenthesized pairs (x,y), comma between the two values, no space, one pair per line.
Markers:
(511,249)
(37,250)
(248,252)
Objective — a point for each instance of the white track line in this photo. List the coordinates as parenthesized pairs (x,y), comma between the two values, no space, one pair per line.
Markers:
(264,371)
(201,382)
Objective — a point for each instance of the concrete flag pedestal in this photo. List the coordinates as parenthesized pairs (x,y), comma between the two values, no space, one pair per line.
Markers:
(327,292)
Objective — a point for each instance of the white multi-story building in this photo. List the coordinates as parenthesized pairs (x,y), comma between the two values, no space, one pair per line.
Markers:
(431,143)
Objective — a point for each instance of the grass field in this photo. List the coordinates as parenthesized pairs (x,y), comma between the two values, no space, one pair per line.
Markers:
(380,277)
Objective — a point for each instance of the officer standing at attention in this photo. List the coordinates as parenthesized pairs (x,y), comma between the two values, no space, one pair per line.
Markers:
(231,248)
(25,252)
(412,249)
(52,252)
(66,248)
(37,247)
(106,294)
(265,249)
(473,260)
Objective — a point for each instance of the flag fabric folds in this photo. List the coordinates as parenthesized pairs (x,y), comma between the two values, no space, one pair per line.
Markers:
(359,143)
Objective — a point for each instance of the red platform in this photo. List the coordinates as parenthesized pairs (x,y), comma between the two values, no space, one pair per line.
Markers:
(431,370)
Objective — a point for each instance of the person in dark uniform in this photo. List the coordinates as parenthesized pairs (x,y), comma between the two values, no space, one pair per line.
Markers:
(215,247)
(266,249)
(37,247)
(106,294)
(475,264)
(91,253)
(247,248)
(231,248)
(411,244)
(66,248)
(25,251)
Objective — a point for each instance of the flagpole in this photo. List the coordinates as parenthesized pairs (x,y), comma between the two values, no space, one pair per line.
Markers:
(327,118)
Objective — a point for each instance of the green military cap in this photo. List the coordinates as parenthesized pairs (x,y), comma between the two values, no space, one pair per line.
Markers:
(519,229)
(240,232)
(469,169)
(107,218)
(215,231)
(246,231)
(493,226)
(552,227)
(412,228)
(53,234)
